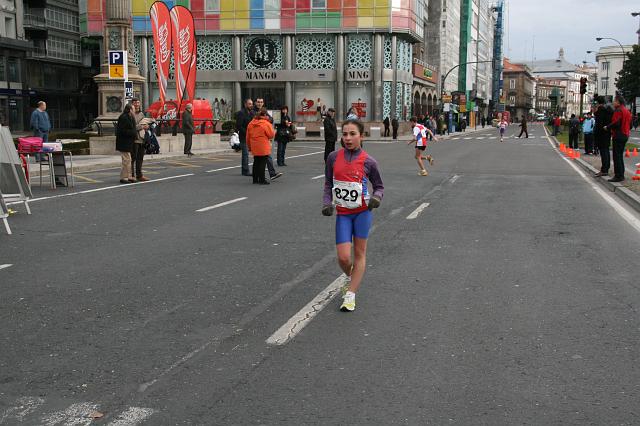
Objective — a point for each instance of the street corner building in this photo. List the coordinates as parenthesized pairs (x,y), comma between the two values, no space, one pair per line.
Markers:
(310,55)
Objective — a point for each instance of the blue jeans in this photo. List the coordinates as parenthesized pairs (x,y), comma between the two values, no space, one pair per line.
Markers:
(282,146)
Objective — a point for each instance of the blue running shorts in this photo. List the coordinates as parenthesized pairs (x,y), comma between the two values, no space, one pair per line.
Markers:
(353,225)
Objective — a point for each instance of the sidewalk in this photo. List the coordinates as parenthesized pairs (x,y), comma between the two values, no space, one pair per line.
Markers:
(628,190)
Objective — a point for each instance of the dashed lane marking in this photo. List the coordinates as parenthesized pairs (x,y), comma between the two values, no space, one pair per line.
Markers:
(317,177)
(86,179)
(181,164)
(78,414)
(215,206)
(6,265)
(414,214)
(132,416)
(23,408)
(304,316)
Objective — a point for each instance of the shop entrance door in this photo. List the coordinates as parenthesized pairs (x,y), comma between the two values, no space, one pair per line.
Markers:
(272,93)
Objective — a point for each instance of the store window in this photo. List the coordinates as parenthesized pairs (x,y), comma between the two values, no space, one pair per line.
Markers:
(312,100)
(359,98)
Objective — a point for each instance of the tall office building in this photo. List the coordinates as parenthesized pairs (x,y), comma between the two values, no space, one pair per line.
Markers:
(307,54)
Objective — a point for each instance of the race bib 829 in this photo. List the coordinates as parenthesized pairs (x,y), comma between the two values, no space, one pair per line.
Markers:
(347,194)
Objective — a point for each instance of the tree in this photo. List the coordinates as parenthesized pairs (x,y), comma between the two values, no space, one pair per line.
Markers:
(628,82)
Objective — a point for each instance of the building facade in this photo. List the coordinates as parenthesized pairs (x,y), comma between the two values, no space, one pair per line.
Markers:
(59,70)
(307,54)
(610,60)
(13,52)
(544,90)
(564,73)
(519,87)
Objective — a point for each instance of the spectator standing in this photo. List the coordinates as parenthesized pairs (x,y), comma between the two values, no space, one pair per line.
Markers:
(188,129)
(556,125)
(463,124)
(574,131)
(386,128)
(125,136)
(259,134)
(40,122)
(243,118)
(273,174)
(331,133)
(483,121)
(587,129)
(394,126)
(283,134)
(603,136)
(138,151)
(523,128)
(620,127)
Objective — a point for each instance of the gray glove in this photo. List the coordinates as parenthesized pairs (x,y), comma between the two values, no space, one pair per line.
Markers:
(327,210)
(374,203)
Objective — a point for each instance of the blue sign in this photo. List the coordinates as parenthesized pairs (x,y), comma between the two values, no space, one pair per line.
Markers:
(116,57)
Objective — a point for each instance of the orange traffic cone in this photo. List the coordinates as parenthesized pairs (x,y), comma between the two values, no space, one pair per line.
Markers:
(563,148)
(626,154)
(576,154)
(637,175)
(635,152)
(571,153)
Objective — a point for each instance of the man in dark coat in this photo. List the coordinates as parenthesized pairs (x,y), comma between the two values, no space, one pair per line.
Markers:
(125,135)
(523,127)
(574,131)
(188,129)
(603,137)
(330,133)
(243,118)
(386,127)
(394,126)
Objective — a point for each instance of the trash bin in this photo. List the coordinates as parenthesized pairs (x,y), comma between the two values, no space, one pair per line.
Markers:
(374,132)
(302,132)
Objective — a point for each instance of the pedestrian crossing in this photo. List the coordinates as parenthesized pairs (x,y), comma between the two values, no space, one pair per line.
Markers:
(31,410)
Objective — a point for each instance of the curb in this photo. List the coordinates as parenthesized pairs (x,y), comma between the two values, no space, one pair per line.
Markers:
(629,197)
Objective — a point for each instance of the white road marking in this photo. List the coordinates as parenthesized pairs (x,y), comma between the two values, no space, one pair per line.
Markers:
(106,188)
(617,206)
(466,139)
(454,178)
(480,137)
(6,265)
(226,203)
(493,137)
(302,318)
(414,214)
(317,177)
(26,405)
(286,158)
(132,416)
(76,414)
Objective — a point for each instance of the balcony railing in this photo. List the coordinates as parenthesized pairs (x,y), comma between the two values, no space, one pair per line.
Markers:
(34,20)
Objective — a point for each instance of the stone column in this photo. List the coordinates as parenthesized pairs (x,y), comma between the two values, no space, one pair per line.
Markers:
(145,71)
(237,65)
(394,67)
(117,35)
(340,84)
(288,65)
(378,66)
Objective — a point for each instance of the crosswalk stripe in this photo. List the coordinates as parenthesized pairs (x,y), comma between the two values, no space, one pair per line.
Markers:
(132,416)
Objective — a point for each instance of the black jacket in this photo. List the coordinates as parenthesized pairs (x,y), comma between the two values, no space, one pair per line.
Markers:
(283,132)
(330,130)
(243,118)
(125,132)
(386,122)
(603,118)
(187,123)
(394,123)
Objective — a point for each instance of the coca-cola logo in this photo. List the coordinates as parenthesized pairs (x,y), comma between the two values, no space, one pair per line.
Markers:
(184,38)
(163,40)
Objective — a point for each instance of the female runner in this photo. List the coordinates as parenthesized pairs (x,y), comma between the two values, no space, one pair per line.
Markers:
(347,173)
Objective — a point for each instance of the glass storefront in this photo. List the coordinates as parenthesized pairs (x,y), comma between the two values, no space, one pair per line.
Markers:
(359,98)
(272,93)
(312,100)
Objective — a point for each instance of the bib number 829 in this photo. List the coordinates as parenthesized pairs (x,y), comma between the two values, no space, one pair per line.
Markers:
(346,195)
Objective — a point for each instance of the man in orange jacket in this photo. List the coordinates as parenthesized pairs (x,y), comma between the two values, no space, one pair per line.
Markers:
(259,135)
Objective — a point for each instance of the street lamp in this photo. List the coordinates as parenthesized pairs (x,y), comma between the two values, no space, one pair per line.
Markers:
(619,44)
(634,14)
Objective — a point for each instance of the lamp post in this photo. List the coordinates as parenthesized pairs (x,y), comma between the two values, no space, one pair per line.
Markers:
(619,44)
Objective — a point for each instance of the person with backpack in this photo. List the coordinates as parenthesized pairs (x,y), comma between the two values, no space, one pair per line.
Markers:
(574,131)
(148,138)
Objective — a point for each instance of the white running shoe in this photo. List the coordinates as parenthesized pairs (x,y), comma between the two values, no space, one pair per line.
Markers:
(349,302)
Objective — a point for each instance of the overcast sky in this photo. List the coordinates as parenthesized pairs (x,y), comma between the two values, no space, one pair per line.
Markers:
(539,28)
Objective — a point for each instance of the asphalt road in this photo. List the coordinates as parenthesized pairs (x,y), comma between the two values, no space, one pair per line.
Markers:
(512,298)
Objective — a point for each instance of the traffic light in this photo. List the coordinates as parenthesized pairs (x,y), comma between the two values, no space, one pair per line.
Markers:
(583,85)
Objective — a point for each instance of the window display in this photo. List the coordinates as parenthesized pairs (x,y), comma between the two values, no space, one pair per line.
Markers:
(312,100)
(359,98)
